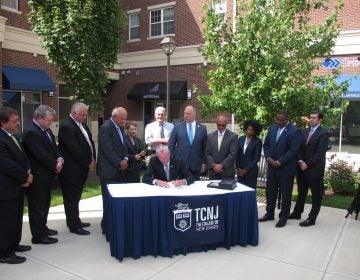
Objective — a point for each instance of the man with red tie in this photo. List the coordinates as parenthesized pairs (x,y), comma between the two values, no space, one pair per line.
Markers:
(311,167)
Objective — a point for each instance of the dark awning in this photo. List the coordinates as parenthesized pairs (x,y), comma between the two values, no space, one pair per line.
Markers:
(353,92)
(21,78)
(157,90)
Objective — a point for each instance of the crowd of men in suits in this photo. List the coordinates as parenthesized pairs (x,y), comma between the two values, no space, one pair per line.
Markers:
(182,152)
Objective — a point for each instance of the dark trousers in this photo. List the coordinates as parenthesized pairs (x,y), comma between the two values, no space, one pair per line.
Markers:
(11,220)
(72,189)
(250,179)
(196,174)
(316,186)
(284,183)
(39,204)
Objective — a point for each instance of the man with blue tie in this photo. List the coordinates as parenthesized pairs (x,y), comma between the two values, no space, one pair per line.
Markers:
(112,157)
(311,167)
(281,147)
(188,142)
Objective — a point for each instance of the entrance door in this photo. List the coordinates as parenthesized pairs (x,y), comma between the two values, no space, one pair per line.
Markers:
(24,103)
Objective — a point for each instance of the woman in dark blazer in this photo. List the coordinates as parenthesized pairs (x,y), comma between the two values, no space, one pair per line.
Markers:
(249,154)
(135,153)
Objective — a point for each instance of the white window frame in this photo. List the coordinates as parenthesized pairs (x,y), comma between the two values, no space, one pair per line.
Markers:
(130,14)
(161,8)
(14,7)
(220,7)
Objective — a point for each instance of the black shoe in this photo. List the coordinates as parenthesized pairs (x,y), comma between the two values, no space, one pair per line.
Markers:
(50,232)
(44,240)
(294,216)
(23,248)
(84,224)
(80,231)
(280,223)
(307,223)
(13,259)
(265,218)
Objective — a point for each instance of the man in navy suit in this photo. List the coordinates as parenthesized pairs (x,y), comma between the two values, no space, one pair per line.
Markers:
(46,161)
(78,150)
(281,147)
(14,176)
(188,142)
(165,172)
(221,151)
(311,162)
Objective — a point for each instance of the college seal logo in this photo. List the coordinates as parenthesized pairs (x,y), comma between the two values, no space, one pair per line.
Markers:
(182,217)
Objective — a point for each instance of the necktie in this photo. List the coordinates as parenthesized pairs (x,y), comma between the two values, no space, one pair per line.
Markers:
(309,136)
(167,172)
(220,136)
(120,134)
(278,134)
(190,134)
(162,134)
(86,135)
(47,135)
(15,141)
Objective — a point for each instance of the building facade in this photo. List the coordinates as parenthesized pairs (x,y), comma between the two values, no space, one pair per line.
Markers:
(138,80)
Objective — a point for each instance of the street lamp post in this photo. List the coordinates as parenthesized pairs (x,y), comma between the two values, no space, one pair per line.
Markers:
(168,46)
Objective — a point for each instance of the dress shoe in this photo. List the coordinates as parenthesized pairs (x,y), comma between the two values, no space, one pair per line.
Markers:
(265,218)
(294,216)
(44,240)
(80,231)
(280,223)
(23,248)
(50,232)
(84,224)
(307,223)
(14,259)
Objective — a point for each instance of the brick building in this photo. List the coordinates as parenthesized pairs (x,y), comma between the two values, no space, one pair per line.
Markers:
(138,81)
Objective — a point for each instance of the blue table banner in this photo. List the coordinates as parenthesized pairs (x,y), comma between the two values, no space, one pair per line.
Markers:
(196,220)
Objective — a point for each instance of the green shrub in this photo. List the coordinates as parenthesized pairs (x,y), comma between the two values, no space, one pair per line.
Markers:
(340,177)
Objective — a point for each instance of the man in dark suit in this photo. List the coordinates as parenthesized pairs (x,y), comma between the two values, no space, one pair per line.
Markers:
(78,150)
(46,161)
(165,171)
(281,147)
(14,175)
(188,142)
(112,158)
(221,151)
(311,162)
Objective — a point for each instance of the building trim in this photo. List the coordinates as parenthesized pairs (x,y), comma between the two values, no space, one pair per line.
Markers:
(347,43)
(133,11)
(2,28)
(159,6)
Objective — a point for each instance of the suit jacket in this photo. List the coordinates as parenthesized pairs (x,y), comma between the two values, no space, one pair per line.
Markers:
(155,170)
(74,148)
(252,155)
(285,150)
(192,155)
(225,156)
(111,152)
(14,166)
(314,153)
(42,153)
(131,151)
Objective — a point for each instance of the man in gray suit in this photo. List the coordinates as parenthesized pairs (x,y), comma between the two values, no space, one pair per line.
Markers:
(112,158)
(221,151)
(188,142)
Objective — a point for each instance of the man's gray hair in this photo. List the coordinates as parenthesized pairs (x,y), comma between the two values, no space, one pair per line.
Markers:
(161,148)
(77,106)
(42,111)
(159,109)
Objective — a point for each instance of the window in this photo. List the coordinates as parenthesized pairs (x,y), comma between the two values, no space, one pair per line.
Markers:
(162,21)
(219,7)
(13,4)
(134,26)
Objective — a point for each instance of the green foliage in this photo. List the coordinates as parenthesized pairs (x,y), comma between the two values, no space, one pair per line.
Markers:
(82,39)
(340,177)
(267,63)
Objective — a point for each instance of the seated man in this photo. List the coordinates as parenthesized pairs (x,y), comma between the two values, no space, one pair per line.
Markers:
(165,172)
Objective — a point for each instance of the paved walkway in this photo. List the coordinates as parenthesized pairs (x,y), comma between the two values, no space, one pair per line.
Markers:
(330,250)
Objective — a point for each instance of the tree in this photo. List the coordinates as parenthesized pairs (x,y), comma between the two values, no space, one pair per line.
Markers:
(268,62)
(82,39)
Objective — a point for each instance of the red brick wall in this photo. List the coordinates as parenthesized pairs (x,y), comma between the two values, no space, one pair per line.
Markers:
(18,20)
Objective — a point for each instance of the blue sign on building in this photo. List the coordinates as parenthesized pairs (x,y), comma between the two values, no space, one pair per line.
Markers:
(331,63)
